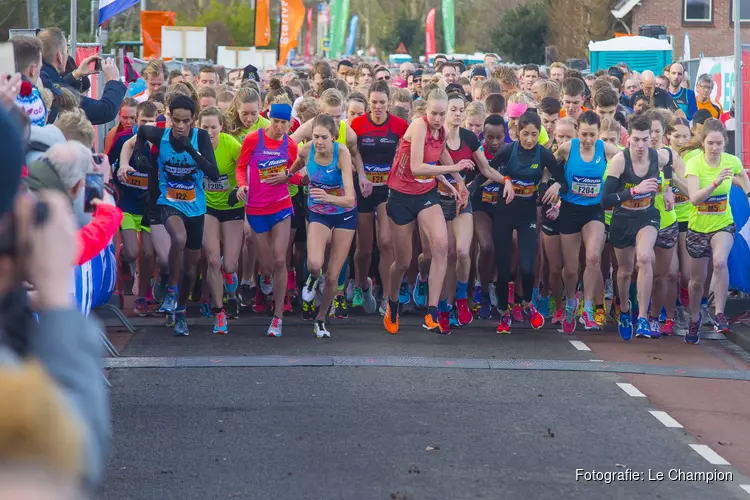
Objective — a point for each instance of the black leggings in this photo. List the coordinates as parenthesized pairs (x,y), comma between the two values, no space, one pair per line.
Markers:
(503,225)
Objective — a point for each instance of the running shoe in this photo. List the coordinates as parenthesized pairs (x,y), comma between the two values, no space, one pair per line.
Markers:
(170,303)
(404,297)
(266,284)
(349,290)
(588,321)
(291,281)
(707,319)
(463,313)
(320,330)
(569,320)
(535,318)
(259,304)
(453,319)
(233,309)
(170,320)
(600,317)
(230,282)
(150,299)
(643,328)
(655,327)
(288,304)
(161,289)
(663,314)
(684,297)
(543,306)
(358,299)
(136,284)
(517,313)
(511,292)
(274,330)
(220,323)
(339,308)
(246,295)
(141,308)
(485,307)
(722,325)
(205,308)
(558,317)
(625,326)
(370,303)
(608,290)
(667,329)
(420,292)
(506,320)
(493,294)
(180,326)
(435,326)
(308,310)
(444,321)
(309,288)
(383,305)
(390,320)
(693,335)
(477,293)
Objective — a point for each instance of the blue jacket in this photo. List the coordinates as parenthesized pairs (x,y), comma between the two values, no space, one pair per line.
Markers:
(99,111)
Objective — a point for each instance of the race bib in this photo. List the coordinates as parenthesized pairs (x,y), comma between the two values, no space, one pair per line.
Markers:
(425,179)
(713,205)
(329,189)
(490,194)
(679,198)
(524,189)
(270,168)
(587,187)
(377,174)
(180,192)
(639,201)
(138,180)
(218,186)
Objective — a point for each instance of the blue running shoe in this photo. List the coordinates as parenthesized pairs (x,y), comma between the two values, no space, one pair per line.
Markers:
(625,326)
(453,319)
(655,327)
(535,298)
(476,296)
(404,297)
(181,327)
(206,310)
(643,329)
(420,292)
(170,303)
(485,306)
(543,306)
(693,335)
(663,315)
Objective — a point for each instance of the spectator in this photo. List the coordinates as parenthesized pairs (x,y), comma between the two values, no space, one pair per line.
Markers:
(703,88)
(76,127)
(175,76)
(188,73)
(126,121)
(27,52)
(657,97)
(54,56)
(155,75)
(207,77)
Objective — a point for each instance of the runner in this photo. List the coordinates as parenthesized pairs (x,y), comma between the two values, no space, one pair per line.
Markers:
(356,105)
(683,97)
(523,163)
(262,180)
(573,96)
(413,197)
(185,156)
(711,227)
(331,214)
(243,115)
(582,219)
(222,231)
(610,133)
(474,118)
(631,185)
(378,134)
(704,86)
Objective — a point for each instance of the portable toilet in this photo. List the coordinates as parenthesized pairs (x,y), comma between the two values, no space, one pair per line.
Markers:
(638,52)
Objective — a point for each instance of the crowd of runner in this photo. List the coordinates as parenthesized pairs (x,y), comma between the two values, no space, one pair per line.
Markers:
(465,193)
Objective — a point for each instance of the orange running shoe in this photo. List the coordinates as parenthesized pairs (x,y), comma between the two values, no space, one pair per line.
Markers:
(432,325)
(390,324)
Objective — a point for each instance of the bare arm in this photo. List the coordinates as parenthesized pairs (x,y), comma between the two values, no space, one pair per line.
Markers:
(678,178)
(127,151)
(610,150)
(484,167)
(303,152)
(696,194)
(303,133)
(562,152)
(345,165)
(418,132)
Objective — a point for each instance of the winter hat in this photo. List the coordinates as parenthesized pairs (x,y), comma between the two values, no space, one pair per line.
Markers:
(30,100)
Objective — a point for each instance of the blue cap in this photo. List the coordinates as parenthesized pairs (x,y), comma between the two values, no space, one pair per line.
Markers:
(479,71)
(281,111)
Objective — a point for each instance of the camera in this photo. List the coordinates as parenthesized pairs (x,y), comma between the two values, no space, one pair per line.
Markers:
(94,189)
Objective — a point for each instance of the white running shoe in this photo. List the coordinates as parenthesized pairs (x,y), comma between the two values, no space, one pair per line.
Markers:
(320,330)
(266,284)
(309,288)
(349,290)
(275,329)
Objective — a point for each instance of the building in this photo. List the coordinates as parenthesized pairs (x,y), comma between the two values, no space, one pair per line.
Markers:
(707,22)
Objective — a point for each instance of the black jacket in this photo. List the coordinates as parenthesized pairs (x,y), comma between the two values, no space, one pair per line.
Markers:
(99,111)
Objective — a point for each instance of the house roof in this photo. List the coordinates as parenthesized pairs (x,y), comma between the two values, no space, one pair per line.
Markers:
(624,7)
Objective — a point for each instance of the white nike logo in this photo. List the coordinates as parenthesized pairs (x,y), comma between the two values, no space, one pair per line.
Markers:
(347,218)
(428,204)
(329,171)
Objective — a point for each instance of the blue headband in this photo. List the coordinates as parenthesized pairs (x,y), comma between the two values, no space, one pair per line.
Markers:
(281,111)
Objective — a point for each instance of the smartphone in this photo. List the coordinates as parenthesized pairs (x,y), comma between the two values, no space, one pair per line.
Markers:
(7,59)
(94,189)
(97,65)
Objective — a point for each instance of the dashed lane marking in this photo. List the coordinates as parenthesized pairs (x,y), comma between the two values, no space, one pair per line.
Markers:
(630,390)
(579,345)
(710,455)
(666,419)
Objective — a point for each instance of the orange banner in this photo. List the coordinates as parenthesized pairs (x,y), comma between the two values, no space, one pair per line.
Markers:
(262,23)
(151,23)
(292,18)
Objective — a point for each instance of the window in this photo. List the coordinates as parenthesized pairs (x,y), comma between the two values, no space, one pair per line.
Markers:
(698,11)
(744,11)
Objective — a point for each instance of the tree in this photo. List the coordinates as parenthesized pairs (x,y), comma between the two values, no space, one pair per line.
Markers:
(521,34)
(585,20)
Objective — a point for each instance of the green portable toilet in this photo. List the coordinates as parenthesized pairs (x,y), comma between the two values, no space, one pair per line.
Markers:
(638,52)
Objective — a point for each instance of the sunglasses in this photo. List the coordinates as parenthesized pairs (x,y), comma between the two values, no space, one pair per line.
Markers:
(386,77)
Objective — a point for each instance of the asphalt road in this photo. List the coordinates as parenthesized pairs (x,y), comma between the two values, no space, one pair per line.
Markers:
(390,433)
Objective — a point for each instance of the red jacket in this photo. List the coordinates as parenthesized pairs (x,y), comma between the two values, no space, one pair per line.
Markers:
(97,234)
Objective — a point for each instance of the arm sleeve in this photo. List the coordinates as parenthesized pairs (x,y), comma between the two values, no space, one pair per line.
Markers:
(501,158)
(206,159)
(611,197)
(68,346)
(468,137)
(97,234)
(105,109)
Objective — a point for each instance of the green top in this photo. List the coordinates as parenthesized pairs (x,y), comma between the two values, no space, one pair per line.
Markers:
(217,192)
(259,123)
(666,218)
(714,213)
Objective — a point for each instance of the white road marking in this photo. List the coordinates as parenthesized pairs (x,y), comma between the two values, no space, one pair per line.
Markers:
(710,455)
(745,488)
(630,390)
(579,345)
(560,330)
(597,360)
(666,419)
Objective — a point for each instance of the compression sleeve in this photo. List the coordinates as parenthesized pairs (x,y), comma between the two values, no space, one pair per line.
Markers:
(205,158)
(668,168)
(611,196)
